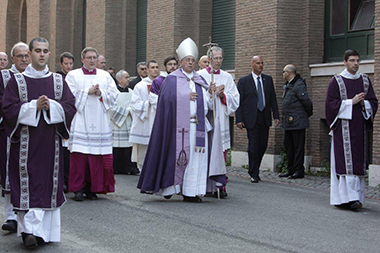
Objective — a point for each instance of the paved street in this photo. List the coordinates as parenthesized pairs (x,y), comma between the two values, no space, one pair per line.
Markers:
(276,215)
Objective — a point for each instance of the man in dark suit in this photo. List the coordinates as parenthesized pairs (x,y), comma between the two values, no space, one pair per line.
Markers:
(142,72)
(257,102)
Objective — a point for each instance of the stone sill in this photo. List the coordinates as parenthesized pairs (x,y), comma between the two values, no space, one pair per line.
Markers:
(332,68)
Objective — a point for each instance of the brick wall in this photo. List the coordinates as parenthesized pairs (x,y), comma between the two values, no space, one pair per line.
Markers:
(160,30)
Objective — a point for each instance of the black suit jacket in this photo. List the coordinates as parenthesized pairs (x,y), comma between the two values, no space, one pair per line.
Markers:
(247,110)
(134,82)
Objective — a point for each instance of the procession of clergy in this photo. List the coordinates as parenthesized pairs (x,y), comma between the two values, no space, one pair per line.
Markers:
(172,129)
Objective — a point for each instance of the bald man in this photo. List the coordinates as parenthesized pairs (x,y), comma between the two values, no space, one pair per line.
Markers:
(3,60)
(101,63)
(296,110)
(203,62)
(257,103)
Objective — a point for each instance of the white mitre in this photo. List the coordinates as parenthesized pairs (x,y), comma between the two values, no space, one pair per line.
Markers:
(187,48)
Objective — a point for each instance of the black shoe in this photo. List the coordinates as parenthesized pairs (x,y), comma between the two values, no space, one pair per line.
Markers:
(65,189)
(223,194)
(296,175)
(135,173)
(192,199)
(345,206)
(355,205)
(168,196)
(79,196)
(40,241)
(30,241)
(10,225)
(91,196)
(286,174)
(254,180)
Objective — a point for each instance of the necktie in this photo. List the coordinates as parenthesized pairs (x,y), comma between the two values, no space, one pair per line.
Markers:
(260,104)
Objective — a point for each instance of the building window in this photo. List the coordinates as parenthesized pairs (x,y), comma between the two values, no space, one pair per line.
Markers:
(141,31)
(349,24)
(223,30)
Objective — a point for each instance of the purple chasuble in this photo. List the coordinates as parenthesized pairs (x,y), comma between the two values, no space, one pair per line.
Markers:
(157,85)
(168,149)
(36,160)
(357,126)
(5,75)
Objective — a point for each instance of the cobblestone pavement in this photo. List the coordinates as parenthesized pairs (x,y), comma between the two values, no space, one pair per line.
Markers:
(313,182)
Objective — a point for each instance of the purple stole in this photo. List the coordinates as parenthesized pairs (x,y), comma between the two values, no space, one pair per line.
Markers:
(183,123)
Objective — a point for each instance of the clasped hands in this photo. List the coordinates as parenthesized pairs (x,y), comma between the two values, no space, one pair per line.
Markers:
(359,98)
(94,90)
(219,90)
(43,103)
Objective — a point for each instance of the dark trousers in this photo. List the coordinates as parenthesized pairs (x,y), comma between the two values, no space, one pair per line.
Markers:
(294,143)
(257,145)
(122,163)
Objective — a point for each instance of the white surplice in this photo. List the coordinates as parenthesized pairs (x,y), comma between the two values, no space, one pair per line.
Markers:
(121,120)
(42,223)
(224,111)
(143,115)
(90,131)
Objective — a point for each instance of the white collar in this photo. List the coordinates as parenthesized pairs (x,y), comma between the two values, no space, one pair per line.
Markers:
(32,72)
(256,76)
(14,69)
(348,75)
(164,73)
(189,75)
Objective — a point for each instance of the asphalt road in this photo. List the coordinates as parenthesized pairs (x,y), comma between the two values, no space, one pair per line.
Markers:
(264,217)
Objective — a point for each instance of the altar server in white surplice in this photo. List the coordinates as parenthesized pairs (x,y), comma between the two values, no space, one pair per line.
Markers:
(226,103)
(90,140)
(121,119)
(143,113)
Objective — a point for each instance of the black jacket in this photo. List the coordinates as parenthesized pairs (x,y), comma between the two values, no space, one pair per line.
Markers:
(247,110)
(133,83)
(296,105)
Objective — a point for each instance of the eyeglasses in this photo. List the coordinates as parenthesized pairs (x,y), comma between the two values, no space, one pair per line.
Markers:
(143,68)
(189,60)
(22,56)
(283,71)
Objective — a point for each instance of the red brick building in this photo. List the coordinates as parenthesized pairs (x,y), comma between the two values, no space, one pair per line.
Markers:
(312,34)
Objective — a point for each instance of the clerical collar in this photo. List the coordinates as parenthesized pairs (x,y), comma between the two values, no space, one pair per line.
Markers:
(88,72)
(30,71)
(348,75)
(217,72)
(14,69)
(164,73)
(189,75)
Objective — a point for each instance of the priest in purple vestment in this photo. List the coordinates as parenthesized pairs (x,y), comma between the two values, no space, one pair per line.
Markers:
(171,65)
(351,105)
(177,157)
(38,108)
(20,60)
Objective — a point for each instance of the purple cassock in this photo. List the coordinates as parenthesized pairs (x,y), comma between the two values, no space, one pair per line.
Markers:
(157,85)
(36,161)
(5,76)
(168,150)
(352,147)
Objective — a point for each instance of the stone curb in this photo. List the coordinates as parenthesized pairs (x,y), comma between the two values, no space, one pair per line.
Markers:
(311,182)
